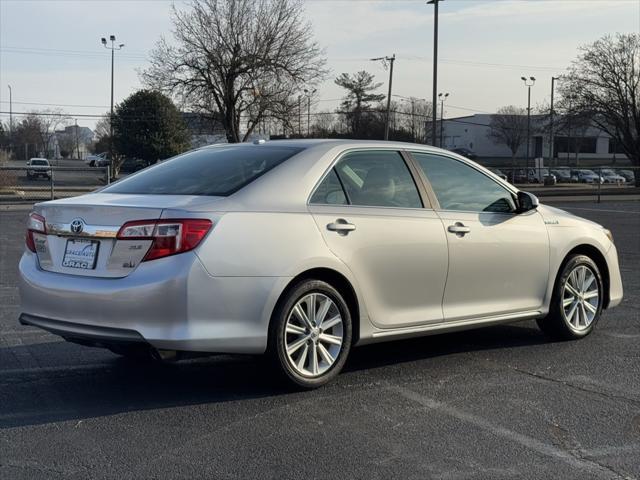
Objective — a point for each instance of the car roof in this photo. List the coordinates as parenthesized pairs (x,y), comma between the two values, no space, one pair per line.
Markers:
(329,143)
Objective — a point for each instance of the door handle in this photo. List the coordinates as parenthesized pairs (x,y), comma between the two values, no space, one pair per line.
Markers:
(341,226)
(459,229)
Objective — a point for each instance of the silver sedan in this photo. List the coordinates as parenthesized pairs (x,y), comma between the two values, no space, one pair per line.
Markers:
(304,249)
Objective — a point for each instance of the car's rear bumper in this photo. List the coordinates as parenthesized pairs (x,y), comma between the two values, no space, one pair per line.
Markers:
(88,333)
(171,303)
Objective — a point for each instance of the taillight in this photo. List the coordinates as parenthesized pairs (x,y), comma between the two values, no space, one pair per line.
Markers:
(35,224)
(169,236)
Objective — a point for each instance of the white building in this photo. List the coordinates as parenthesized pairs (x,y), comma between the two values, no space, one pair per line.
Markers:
(472,132)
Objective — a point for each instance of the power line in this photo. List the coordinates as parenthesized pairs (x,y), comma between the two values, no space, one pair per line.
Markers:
(55,104)
(144,56)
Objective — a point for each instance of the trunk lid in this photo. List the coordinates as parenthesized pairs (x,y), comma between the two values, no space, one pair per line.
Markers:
(81,232)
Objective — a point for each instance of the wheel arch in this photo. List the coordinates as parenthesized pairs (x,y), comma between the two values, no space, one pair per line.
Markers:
(598,257)
(336,280)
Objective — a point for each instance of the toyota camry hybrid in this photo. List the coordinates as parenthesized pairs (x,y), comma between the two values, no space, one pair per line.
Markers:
(302,250)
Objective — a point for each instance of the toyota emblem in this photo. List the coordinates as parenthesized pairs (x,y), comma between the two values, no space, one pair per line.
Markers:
(77,224)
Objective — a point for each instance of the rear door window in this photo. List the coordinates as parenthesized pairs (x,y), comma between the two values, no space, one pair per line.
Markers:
(378,178)
(218,171)
(329,192)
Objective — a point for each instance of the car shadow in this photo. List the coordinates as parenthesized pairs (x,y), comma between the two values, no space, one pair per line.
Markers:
(71,384)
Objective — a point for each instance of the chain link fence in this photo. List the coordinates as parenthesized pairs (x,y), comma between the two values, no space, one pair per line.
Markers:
(25,184)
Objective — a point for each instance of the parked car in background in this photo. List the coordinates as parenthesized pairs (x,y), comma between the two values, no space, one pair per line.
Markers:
(98,160)
(302,250)
(611,176)
(585,176)
(563,175)
(499,173)
(131,165)
(465,152)
(525,176)
(547,177)
(38,167)
(629,175)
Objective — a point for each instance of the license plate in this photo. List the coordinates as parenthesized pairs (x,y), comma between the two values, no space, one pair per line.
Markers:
(81,254)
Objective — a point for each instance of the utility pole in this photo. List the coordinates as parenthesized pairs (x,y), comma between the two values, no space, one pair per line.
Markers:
(551,113)
(528,82)
(308,93)
(435,69)
(113,48)
(442,97)
(384,60)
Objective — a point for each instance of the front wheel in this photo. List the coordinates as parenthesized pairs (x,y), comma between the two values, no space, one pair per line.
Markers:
(577,300)
(310,334)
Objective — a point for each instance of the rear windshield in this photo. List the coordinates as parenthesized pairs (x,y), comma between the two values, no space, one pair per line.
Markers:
(218,171)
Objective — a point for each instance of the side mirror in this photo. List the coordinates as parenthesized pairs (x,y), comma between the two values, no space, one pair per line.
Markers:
(526,202)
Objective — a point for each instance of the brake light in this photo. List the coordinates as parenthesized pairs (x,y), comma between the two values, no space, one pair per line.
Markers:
(35,224)
(169,236)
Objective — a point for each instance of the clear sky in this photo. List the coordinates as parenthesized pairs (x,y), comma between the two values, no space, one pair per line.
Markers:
(50,51)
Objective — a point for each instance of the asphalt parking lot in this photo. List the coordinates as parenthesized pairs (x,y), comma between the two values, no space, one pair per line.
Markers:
(500,402)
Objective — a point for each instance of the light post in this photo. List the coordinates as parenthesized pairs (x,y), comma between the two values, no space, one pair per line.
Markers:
(435,68)
(528,82)
(113,48)
(551,113)
(442,97)
(309,93)
(384,60)
(10,112)
(299,115)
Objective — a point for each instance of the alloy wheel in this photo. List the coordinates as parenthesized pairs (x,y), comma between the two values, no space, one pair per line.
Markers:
(580,298)
(313,335)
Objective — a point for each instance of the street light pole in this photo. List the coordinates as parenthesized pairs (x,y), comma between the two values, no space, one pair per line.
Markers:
(551,113)
(10,112)
(113,48)
(528,82)
(390,59)
(309,93)
(300,115)
(442,97)
(435,69)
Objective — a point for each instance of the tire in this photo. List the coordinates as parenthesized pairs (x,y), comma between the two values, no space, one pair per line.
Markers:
(294,339)
(572,320)
(92,163)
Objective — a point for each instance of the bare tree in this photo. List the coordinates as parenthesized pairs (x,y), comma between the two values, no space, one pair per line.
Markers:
(415,113)
(243,59)
(324,125)
(49,121)
(508,127)
(603,83)
(359,97)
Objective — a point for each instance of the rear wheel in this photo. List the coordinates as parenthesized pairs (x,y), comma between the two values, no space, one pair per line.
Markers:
(577,300)
(310,334)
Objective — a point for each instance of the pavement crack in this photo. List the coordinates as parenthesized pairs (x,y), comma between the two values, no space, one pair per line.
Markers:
(565,383)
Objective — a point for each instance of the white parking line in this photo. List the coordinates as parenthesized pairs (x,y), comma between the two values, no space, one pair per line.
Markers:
(509,435)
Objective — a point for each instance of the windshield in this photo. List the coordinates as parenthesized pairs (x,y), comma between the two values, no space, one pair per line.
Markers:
(39,162)
(216,171)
